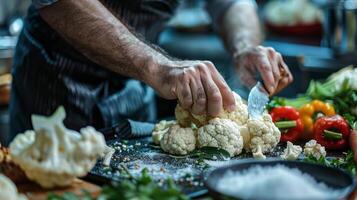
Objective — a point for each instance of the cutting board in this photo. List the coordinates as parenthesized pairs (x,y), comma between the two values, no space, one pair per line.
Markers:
(35,192)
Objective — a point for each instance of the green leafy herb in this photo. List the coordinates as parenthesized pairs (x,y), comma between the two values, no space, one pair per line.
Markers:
(208,153)
(346,163)
(71,196)
(280,101)
(141,188)
(211,153)
(344,98)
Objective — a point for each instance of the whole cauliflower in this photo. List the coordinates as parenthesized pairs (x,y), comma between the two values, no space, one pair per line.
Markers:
(314,149)
(239,115)
(52,155)
(291,152)
(160,129)
(178,140)
(8,190)
(221,133)
(262,135)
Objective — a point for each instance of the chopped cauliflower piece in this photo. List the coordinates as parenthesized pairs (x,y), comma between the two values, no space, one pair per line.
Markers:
(263,134)
(221,133)
(291,152)
(160,129)
(53,155)
(239,115)
(107,155)
(178,140)
(259,154)
(8,190)
(314,149)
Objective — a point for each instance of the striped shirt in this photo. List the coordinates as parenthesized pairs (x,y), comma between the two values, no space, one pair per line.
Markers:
(49,72)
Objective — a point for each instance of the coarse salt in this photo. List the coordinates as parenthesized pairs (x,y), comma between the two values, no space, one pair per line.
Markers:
(274,182)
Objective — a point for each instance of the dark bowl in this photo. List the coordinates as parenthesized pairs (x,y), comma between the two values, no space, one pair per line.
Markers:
(332,177)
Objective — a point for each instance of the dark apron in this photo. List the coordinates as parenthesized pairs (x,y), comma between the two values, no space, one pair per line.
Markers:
(48,72)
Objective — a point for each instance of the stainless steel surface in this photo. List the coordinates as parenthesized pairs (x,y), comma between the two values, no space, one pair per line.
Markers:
(340,25)
(257,99)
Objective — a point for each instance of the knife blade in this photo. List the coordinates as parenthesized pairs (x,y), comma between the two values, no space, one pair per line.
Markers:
(257,99)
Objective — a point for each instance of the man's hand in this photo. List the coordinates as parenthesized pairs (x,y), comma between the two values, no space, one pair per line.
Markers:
(198,86)
(268,63)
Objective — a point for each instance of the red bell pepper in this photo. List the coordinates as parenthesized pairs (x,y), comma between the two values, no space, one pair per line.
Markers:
(332,132)
(287,119)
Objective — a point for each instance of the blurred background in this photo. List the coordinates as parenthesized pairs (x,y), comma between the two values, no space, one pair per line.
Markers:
(316,38)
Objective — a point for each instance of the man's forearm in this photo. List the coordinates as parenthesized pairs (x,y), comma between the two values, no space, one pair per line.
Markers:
(100,36)
(240,27)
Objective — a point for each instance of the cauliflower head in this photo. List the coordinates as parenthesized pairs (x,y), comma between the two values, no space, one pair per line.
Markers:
(53,155)
(291,152)
(160,129)
(221,133)
(239,115)
(8,190)
(314,149)
(178,140)
(262,135)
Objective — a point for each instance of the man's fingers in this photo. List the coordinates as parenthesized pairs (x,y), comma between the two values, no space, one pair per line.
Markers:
(282,84)
(199,97)
(265,69)
(184,95)
(248,80)
(214,97)
(227,95)
(274,63)
(285,69)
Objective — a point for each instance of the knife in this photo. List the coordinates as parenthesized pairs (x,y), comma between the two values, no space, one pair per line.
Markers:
(257,99)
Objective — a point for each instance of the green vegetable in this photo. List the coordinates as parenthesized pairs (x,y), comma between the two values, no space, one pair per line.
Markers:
(141,188)
(208,153)
(280,101)
(346,163)
(344,99)
(332,135)
(285,124)
(211,153)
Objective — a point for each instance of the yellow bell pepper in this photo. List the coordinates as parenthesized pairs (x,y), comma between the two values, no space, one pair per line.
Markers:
(307,112)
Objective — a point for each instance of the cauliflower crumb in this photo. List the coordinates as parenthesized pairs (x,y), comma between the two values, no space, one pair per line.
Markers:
(221,133)
(178,140)
(263,134)
(160,129)
(291,152)
(314,149)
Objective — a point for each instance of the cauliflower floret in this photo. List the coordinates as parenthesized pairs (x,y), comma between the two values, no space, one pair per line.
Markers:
(291,152)
(259,154)
(178,140)
(107,155)
(52,155)
(239,115)
(221,133)
(160,129)
(262,134)
(183,117)
(314,149)
(8,190)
